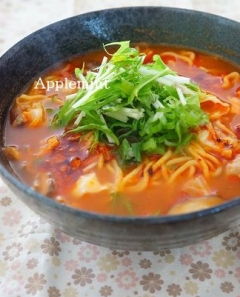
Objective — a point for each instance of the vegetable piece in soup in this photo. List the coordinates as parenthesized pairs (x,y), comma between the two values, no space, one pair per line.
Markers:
(130,130)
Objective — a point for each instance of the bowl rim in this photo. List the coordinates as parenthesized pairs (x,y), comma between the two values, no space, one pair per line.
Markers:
(115,9)
(148,219)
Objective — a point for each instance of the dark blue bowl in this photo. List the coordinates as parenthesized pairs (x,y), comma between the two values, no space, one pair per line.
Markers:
(157,25)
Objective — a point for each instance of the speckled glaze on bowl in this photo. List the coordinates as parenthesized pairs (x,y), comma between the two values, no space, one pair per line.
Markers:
(158,25)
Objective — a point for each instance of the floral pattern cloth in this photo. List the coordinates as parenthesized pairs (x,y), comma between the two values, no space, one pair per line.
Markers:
(40,260)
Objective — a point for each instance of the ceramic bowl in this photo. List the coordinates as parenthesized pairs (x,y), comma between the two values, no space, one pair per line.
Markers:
(157,25)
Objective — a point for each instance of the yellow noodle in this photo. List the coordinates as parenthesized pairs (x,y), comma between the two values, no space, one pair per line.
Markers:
(89,167)
(165,172)
(66,68)
(212,145)
(210,165)
(52,77)
(230,79)
(203,153)
(217,172)
(191,55)
(181,169)
(212,162)
(200,161)
(210,157)
(214,170)
(177,56)
(130,175)
(224,128)
(89,138)
(204,69)
(178,160)
(162,160)
(88,134)
(235,104)
(148,167)
(110,166)
(157,176)
(56,100)
(100,162)
(119,171)
(212,131)
(29,98)
(115,169)
(140,186)
(191,171)
(143,181)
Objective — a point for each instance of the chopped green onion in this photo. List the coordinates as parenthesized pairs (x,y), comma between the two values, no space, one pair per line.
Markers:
(139,108)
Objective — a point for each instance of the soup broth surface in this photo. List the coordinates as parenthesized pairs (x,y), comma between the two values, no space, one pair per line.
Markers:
(69,168)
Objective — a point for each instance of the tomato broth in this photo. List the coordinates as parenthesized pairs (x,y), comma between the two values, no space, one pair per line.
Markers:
(71,168)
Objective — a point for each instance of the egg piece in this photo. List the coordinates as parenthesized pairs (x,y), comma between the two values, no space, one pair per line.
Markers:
(88,183)
(233,167)
(195,204)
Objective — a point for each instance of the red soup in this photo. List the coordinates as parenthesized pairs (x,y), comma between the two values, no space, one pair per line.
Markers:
(142,130)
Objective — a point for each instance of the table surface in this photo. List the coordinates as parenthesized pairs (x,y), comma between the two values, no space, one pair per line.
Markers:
(37,259)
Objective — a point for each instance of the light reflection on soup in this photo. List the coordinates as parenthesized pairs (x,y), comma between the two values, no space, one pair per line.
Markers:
(73,170)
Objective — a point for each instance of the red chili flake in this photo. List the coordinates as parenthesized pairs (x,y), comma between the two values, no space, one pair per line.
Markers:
(149,57)
(237,131)
(75,163)
(105,151)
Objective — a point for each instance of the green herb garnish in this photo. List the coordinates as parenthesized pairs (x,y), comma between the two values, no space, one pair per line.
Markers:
(135,106)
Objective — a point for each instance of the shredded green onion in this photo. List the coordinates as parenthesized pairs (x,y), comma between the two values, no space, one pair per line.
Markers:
(139,108)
